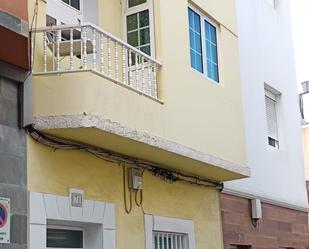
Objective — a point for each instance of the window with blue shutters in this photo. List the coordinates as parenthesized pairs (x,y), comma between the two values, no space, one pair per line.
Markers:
(203,45)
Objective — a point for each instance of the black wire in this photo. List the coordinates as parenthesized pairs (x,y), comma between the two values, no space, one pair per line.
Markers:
(164,174)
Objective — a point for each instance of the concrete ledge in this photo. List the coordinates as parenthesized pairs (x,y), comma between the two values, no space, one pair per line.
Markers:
(91,121)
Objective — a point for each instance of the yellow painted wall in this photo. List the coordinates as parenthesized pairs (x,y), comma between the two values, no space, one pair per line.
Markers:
(55,171)
(196,112)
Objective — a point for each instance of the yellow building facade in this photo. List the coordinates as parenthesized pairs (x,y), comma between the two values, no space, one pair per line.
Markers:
(101,106)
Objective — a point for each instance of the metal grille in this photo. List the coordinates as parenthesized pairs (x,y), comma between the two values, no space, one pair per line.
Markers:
(163,240)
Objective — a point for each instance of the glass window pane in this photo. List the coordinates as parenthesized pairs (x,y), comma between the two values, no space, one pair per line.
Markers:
(195,41)
(196,61)
(211,32)
(144,18)
(197,22)
(75,4)
(192,43)
(133,3)
(214,54)
(212,71)
(146,49)
(144,37)
(133,38)
(132,22)
(61,238)
(211,51)
(66,1)
(50,21)
(199,64)
(192,57)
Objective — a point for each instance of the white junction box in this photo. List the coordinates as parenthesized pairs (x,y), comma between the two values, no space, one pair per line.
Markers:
(256,209)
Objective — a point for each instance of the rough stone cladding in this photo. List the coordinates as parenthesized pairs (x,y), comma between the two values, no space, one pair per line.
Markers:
(279,228)
(13,176)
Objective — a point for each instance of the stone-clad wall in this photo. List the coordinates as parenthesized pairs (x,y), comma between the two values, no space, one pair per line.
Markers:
(280,227)
(13,172)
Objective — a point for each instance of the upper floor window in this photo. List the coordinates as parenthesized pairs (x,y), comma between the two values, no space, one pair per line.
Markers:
(73,3)
(271,117)
(203,45)
(139,25)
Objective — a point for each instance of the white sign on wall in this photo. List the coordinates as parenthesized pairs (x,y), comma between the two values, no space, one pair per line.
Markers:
(76,198)
(5,220)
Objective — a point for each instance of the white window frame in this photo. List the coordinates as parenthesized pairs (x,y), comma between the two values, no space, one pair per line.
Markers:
(148,5)
(170,225)
(274,96)
(204,18)
(67,228)
(96,217)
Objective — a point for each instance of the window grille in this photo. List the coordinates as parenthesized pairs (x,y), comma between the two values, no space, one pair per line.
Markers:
(163,240)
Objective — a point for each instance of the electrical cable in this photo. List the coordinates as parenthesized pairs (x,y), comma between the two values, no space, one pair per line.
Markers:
(127,209)
(140,202)
(113,157)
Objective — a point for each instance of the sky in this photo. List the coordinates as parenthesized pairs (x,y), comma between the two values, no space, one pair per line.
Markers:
(300,29)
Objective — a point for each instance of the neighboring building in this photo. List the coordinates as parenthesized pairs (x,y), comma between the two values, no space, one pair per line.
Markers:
(15,82)
(273,138)
(174,113)
(304,109)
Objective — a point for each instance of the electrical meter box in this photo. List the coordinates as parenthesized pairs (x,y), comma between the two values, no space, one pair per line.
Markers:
(135,179)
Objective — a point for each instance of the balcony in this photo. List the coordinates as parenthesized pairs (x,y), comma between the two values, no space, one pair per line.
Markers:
(87,48)
(90,86)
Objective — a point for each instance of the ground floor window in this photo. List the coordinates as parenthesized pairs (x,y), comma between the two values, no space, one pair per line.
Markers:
(169,233)
(163,240)
(64,237)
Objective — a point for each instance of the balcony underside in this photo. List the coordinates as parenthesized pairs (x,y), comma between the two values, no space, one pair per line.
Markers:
(117,138)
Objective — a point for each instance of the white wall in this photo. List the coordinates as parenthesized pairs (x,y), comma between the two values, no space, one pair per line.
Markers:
(266,56)
(300,28)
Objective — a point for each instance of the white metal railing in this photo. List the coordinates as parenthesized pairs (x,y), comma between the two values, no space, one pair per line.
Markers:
(166,240)
(71,48)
